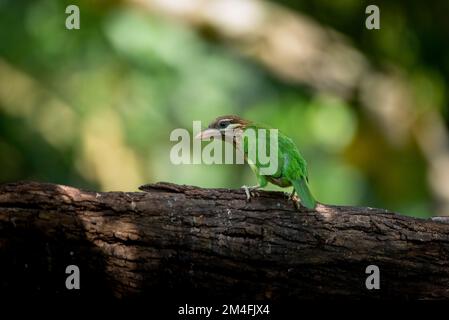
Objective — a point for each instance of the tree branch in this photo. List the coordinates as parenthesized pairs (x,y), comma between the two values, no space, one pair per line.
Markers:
(183,241)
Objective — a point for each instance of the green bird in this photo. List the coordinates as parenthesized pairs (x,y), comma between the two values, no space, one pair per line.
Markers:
(291,167)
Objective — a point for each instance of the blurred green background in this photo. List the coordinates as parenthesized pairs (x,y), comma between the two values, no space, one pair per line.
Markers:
(94,107)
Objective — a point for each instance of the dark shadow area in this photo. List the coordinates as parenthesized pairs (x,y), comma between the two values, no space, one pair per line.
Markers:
(34,261)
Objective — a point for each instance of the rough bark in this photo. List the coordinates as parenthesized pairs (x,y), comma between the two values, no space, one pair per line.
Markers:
(185,242)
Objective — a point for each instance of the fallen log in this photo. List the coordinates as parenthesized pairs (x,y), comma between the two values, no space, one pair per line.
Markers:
(186,242)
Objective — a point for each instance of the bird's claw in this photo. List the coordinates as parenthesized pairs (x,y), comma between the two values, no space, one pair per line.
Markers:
(248,192)
(296,201)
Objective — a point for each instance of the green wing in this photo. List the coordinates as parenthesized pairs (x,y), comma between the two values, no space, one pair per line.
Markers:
(291,165)
(295,170)
(294,165)
(251,151)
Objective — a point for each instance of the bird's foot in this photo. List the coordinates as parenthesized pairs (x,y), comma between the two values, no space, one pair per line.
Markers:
(296,201)
(291,196)
(248,192)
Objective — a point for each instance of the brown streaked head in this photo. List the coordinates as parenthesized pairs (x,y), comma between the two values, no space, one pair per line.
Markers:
(223,126)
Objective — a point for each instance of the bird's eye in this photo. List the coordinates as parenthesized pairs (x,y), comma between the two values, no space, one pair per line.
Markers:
(223,124)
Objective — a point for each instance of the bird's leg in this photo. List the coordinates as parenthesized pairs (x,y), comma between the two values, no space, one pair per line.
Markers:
(292,194)
(295,200)
(248,191)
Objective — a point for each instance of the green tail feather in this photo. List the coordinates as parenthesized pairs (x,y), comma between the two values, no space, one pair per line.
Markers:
(304,194)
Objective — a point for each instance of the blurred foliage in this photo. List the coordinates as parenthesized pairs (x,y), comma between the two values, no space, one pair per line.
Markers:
(95,107)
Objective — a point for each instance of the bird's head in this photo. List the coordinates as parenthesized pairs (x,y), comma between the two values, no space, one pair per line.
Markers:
(224,127)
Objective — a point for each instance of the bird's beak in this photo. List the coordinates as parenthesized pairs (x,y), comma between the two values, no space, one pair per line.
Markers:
(208,133)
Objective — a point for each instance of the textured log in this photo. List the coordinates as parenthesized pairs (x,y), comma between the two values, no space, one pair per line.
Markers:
(185,242)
